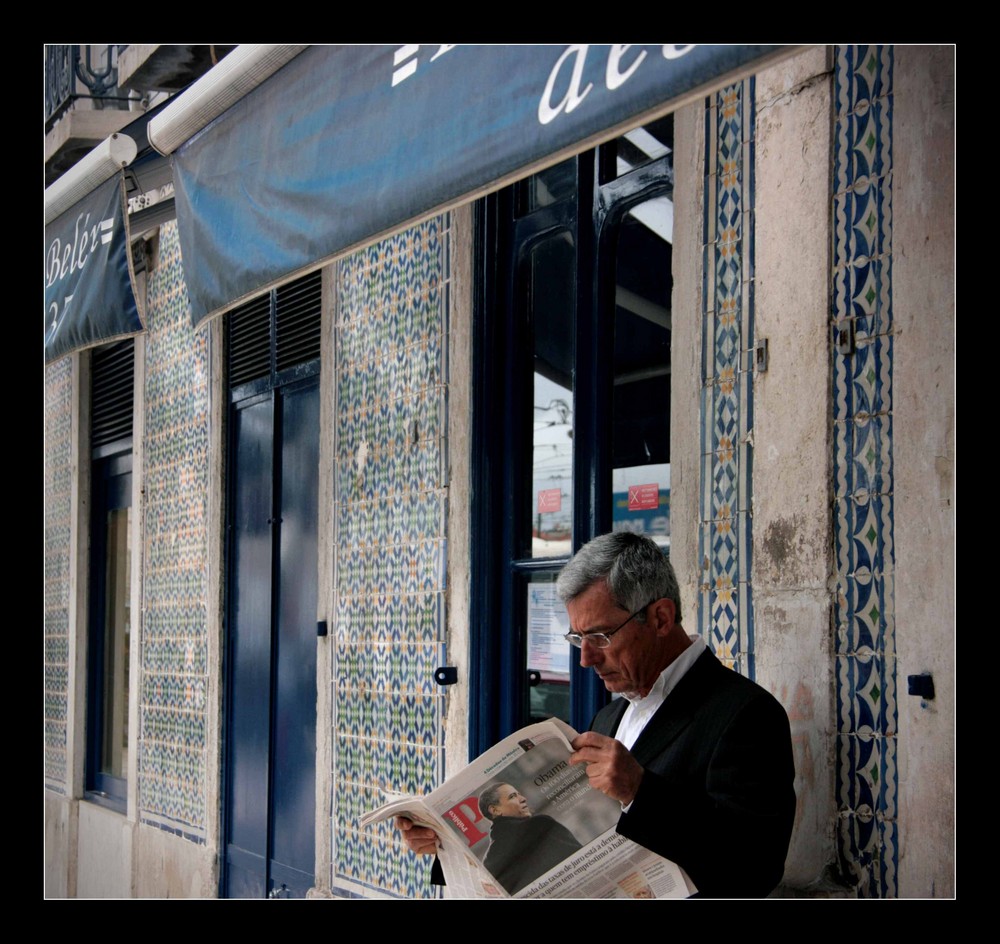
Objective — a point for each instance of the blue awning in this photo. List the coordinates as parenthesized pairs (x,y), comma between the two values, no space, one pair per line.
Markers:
(346,143)
(89,297)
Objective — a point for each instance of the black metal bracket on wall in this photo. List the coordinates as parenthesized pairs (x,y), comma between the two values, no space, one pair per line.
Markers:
(446,675)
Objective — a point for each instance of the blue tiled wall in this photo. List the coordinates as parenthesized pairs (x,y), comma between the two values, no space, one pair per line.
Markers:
(174,679)
(56,490)
(391,449)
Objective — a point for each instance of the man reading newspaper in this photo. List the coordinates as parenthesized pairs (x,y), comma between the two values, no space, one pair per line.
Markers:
(699,757)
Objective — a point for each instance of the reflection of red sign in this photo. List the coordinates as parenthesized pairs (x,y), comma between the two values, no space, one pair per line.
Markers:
(641,497)
(550,499)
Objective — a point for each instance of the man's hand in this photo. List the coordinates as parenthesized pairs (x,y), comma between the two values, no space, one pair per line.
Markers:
(610,767)
(420,839)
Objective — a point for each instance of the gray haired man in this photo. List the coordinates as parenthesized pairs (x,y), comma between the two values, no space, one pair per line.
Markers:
(699,757)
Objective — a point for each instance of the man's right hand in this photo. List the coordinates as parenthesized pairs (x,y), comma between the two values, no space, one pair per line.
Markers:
(420,839)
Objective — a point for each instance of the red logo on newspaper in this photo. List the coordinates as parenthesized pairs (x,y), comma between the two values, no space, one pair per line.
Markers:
(462,818)
(641,497)
(550,499)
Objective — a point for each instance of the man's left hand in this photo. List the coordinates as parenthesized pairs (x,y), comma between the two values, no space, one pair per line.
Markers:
(610,767)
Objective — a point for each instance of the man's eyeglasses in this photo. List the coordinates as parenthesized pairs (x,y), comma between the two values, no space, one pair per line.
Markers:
(601,640)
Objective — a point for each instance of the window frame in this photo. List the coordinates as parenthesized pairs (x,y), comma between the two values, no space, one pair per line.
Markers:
(109,461)
(505,233)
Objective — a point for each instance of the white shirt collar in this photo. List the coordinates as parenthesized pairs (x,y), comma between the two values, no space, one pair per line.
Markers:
(641,709)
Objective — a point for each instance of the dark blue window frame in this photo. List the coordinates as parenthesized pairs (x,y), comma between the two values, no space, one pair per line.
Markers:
(505,232)
(111,488)
(112,373)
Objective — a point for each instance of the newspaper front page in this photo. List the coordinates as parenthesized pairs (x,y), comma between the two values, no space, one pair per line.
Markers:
(556,835)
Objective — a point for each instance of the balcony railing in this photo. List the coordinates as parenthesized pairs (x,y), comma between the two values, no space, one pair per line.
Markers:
(72,72)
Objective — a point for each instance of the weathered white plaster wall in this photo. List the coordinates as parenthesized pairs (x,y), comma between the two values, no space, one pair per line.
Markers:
(792,546)
(792,550)
(168,866)
(104,863)
(60,846)
(924,461)
(325,560)
(459,341)
(685,355)
(218,405)
(120,859)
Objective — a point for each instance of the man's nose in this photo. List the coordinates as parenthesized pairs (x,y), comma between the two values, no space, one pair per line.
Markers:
(589,654)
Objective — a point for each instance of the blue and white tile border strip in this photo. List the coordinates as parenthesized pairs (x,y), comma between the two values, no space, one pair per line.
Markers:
(725,606)
(862,346)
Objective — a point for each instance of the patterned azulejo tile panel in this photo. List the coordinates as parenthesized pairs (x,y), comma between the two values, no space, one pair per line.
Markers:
(56,490)
(863,215)
(392,767)
(866,691)
(367,770)
(390,465)
(864,614)
(860,521)
(171,785)
(390,507)
(410,518)
(391,617)
(868,831)
(405,668)
(174,653)
(384,274)
(863,410)
(379,862)
(725,606)
(392,348)
(392,717)
(861,320)
(393,569)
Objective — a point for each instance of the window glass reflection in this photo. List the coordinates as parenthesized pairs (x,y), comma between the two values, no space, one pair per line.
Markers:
(547,187)
(641,466)
(644,145)
(117,626)
(548,652)
(552,304)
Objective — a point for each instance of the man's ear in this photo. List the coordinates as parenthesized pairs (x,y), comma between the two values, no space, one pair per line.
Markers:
(665,615)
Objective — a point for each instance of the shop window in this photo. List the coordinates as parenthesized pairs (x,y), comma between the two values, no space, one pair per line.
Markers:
(110,621)
(572,408)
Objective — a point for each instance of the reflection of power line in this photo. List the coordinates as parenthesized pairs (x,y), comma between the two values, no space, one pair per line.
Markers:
(552,448)
(543,424)
(560,406)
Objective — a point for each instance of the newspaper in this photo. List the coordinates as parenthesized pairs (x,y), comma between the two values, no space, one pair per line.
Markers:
(555,839)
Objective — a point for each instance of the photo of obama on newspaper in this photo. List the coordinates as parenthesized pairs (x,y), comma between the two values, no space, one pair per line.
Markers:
(534,814)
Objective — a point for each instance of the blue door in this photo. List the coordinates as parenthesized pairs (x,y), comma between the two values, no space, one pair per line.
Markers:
(271,705)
